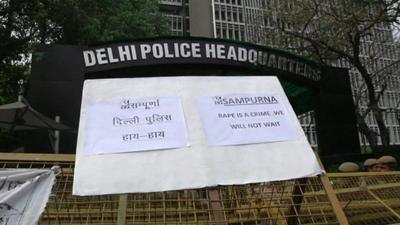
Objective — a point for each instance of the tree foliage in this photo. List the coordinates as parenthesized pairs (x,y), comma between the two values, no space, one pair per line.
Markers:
(26,23)
(347,30)
(85,21)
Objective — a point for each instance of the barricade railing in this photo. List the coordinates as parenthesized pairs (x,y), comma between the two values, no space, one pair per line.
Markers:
(369,198)
(360,198)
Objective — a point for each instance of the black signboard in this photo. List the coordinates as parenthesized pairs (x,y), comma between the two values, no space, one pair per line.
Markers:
(191,51)
(58,72)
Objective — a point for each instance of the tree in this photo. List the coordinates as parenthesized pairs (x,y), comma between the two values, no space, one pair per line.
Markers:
(26,23)
(23,24)
(15,36)
(88,22)
(346,30)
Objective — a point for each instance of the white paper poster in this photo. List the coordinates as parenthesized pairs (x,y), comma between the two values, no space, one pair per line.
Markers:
(134,124)
(201,164)
(245,119)
(23,195)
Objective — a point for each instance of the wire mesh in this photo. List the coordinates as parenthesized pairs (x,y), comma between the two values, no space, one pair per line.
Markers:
(369,198)
(299,201)
(267,203)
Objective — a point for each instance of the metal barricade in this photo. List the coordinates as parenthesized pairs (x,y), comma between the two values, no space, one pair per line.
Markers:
(335,198)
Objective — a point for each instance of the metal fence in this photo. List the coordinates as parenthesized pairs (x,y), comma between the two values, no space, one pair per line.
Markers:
(360,198)
(369,198)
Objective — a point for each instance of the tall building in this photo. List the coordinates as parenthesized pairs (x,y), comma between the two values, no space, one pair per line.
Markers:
(255,21)
(177,14)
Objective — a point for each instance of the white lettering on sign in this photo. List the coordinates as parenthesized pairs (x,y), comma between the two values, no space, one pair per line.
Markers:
(131,124)
(124,53)
(101,56)
(197,50)
(145,49)
(90,58)
(244,119)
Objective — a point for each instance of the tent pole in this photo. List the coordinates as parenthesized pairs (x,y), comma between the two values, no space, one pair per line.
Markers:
(57,137)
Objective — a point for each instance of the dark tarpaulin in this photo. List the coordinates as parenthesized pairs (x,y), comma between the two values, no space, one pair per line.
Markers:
(18,116)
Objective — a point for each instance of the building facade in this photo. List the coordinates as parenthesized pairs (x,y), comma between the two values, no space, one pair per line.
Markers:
(177,14)
(256,20)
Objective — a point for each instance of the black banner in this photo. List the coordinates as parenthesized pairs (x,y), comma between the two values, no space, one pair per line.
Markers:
(191,51)
(58,73)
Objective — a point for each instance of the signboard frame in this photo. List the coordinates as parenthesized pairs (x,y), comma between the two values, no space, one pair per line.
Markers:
(58,72)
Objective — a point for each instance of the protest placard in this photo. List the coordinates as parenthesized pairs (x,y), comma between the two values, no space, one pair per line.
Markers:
(245,119)
(24,194)
(287,155)
(134,124)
